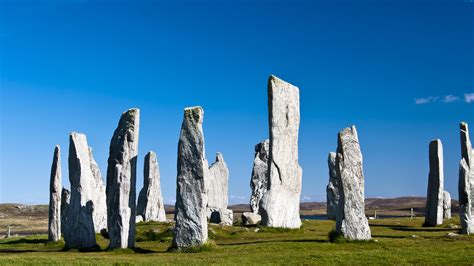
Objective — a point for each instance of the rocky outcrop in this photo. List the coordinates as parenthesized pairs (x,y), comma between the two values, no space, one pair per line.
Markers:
(54,218)
(79,229)
(466,181)
(150,201)
(280,205)
(259,180)
(446,205)
(350,218)
(65,200)
(121,181)
(216,184)
(191,198)
(251,218)
(434,199)
(332,191)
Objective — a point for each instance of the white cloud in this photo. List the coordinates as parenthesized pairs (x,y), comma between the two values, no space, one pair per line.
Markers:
(469,97)
(450,99)
(426,100)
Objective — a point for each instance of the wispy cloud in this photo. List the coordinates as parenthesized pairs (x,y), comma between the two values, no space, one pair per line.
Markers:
(450,99)
(431,99)
(469,97)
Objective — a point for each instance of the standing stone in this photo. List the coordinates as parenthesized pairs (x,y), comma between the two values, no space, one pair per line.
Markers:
(121,181)
(65,200)
(98,197)
(434,199)
(80,231)
(280,206)
(466,181)
(259,180)
(216,184)
(191,198)
(332,191)
(465,210)
(150,201)
(216,189)
(350,217)
(54,219)
(446,205)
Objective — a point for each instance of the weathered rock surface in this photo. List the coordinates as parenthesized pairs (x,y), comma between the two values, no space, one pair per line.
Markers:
(216,184)
(446,205)
(79,231)
(191,197)
(259,180)
(332,189)
(434,199)
(350,218)
(251,218)
(121,181)
(98,196)
(150,201)
(280,205)
(466,146)
(465,210)
(65,200)
(54,218)
(221,216)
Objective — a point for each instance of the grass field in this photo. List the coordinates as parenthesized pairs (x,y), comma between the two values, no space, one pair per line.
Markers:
(396,241)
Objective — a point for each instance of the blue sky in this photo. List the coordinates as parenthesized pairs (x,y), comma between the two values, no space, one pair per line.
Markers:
(401,71)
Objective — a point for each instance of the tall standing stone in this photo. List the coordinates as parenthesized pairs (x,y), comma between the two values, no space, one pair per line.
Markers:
(259,179)
(332,189)
(280,206)
(65,200)
(350,218)
(79,230)
(150,201)
(434,199)
(466,181)
(191,197)
(465,210)
(217,183)
(121,181)
(446,205)
(98,197)
(54,219)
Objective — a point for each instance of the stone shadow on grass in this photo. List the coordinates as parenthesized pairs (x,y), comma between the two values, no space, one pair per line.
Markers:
(275,241)
(25,241)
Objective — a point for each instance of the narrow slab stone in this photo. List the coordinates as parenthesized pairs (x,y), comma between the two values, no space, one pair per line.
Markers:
(332,191)
(150,201)
(465,210)
(259,179)
(217,183)
(54,218)
(446,205)
(65,200)
(121,181)
(466,146)
(280,206)
(191,197)
(434,199)
(350,218)
(98,196)
(80,231)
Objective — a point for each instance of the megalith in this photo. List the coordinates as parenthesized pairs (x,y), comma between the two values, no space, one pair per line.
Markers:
(332,189)
(54,218)
(259,179)
(65,200)
(446,205)
(351,221)
(216,188)
(121,181)
(150,201)
(79,230)
(191,198)
(280,205)
(466,181)
(434,199)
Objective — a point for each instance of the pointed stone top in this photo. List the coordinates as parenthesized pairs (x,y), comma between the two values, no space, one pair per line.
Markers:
(464,126)
(56,147)
(276,81)
(132,110)
(219,157)
(150,153)
(196,113)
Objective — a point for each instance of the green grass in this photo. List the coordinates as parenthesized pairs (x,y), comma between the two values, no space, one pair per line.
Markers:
(396,241)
